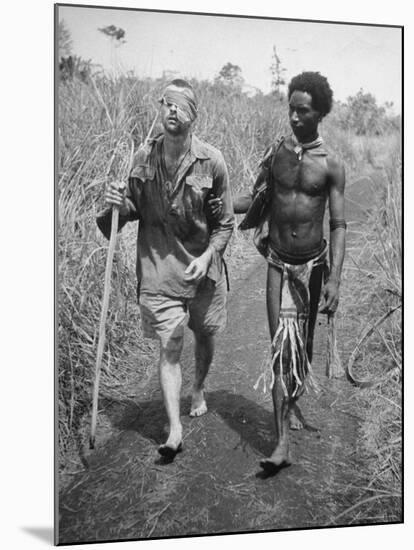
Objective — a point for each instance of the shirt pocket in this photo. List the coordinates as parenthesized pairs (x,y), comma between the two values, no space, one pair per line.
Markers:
(143,172)
(199,181)
(197,188)
(146,194)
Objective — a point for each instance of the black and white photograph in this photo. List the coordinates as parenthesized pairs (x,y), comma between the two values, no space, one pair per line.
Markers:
(228,288)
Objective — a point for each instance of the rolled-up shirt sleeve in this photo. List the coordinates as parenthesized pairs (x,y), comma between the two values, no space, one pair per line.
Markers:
(223,228)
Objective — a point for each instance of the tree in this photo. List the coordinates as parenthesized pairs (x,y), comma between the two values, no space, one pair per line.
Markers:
(64,40)
(364,115)
(116,34)
(230,75)
(117,38)
(277,72)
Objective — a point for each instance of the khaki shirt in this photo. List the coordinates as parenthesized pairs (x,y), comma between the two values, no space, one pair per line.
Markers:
(174,227)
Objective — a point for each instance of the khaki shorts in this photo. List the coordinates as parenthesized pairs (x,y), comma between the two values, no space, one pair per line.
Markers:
(164,317)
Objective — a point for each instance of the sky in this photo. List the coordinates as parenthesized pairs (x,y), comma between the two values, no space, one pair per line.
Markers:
(350,56)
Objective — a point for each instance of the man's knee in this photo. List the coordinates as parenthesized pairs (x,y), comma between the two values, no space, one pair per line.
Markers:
(204,338)
(204,346)
(170,353)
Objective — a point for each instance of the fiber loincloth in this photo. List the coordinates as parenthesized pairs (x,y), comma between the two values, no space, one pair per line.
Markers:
(288,355)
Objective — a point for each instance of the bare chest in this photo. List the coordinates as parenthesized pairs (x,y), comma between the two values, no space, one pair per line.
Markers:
(309,175)
(172,165)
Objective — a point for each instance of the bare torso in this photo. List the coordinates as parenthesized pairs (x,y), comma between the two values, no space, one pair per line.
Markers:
(298,200)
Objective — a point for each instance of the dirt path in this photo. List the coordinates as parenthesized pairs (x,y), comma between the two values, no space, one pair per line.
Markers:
(216,484)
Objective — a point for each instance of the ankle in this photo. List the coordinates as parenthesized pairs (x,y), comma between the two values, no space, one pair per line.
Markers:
(176,428)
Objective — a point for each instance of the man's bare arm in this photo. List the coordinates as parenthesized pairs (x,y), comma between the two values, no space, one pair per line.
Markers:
(241,202)
(337,235)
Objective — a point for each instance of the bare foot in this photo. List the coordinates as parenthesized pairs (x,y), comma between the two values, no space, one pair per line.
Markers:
(173,445)
(175,438)
(198,404)
(279,459)
(295,423)
(169,452)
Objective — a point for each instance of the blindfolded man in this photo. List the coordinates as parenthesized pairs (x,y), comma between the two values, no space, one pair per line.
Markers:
(180,248)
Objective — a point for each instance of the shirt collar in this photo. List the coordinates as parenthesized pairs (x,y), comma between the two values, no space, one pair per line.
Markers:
(198,148)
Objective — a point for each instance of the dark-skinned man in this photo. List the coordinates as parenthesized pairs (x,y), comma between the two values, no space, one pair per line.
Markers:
(287,206)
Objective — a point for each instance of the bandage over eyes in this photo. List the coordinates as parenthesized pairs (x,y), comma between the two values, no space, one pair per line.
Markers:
(184,102)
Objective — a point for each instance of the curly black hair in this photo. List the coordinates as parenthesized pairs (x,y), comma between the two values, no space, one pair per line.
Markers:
(317,86)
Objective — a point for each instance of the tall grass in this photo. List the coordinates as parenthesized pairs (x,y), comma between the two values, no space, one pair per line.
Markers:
(382,429)
(96,118)
(373,286)
(95,122)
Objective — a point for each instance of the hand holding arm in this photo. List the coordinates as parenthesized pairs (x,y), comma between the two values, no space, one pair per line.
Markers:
(215,206)
(241,204)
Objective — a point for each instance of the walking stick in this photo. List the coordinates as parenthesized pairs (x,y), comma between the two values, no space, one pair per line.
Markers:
(334,367)
(105,301)
(104,312)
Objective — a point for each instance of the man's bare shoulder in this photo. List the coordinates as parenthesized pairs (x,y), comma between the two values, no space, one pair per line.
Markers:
(336,173)
(336,167)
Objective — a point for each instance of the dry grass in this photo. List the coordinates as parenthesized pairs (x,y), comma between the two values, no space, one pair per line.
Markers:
(94,127)
(95,119)
(372,287)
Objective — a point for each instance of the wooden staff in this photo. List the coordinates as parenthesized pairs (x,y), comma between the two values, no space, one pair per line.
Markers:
(105,301)
(334,367)
(102,323)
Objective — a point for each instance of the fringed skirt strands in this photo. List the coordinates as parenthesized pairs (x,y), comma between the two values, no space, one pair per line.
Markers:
(288,357)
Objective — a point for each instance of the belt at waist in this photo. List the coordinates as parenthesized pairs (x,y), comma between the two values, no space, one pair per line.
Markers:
(274,255)
(296,259)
